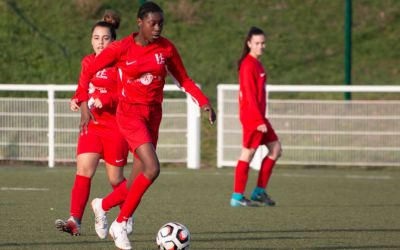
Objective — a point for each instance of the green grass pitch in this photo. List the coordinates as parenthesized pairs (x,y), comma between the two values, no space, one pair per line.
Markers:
(316,209)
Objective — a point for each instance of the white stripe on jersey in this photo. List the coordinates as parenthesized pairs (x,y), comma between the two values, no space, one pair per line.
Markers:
(120,76)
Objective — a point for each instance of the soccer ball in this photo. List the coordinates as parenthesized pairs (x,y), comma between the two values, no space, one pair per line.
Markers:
(173,236)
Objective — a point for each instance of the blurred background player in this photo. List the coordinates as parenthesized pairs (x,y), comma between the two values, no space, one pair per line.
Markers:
(256,128)
(143,60)
(99,139)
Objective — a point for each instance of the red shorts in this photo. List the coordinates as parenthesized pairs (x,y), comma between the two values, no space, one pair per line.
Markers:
(113,147)
(138,123)
(255,138)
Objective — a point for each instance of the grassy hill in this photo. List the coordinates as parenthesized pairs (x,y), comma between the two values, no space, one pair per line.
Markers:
(43,41)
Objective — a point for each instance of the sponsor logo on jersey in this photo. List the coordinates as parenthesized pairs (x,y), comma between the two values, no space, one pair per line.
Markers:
(131,62)
(93,89)
(146,79)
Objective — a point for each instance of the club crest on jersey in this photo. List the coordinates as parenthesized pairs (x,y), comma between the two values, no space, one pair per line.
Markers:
(102,74)
(146,79)
(160,59)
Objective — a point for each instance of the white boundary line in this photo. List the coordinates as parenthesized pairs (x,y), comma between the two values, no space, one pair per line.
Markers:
(23,189)
(347,176)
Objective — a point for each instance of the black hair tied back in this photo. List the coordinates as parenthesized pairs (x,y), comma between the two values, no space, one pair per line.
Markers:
(148,7)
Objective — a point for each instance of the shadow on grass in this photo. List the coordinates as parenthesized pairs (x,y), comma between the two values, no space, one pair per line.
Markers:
(335,205)
(354,230)
(231,236)
(308,248)
(248,235)
(78,243)
(251,238)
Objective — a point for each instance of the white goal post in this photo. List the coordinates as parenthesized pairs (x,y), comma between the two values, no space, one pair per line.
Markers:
(44,129)
(318,131)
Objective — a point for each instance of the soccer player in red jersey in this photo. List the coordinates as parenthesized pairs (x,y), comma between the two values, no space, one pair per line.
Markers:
(143,60)
(256,128)
(101,139)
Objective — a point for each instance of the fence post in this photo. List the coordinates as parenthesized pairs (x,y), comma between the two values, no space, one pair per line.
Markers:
(220,126)
(193,134)
(50,102)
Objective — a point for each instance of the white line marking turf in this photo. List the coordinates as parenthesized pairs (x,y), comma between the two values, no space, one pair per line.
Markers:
(23,189)
(361,177)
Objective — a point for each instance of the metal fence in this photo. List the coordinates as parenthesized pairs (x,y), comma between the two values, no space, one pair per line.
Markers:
(44,129)
(318,132)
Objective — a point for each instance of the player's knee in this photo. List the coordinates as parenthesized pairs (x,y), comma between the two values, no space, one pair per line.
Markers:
(115,180)
(152,172)
(85,171)
(278,154)
(247,154)
(276,151)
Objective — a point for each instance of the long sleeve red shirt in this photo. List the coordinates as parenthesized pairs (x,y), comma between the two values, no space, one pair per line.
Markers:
(252,96)
(102,85)
(142,70)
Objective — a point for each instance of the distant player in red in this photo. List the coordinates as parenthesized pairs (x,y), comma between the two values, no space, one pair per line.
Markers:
(101,139)
(143,60)
(257,130)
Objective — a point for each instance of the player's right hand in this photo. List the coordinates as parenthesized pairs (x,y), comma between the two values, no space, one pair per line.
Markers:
(262,128)
(97,103)
(73,105)
(86,116)
(211,113)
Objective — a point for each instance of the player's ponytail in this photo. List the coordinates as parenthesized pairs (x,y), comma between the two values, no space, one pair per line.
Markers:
(246,50)
(112,17)
(110,20)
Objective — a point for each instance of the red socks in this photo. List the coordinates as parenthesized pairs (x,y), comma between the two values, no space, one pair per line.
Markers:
(265,172)
(116,186)
(241,175)
(136,191)
(117,197)
(79,196)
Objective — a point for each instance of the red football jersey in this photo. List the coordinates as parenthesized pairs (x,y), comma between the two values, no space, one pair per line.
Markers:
(103,85)
(252,96)
(142,70)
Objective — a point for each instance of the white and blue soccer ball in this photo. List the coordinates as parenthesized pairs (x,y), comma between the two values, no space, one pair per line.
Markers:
(173,236)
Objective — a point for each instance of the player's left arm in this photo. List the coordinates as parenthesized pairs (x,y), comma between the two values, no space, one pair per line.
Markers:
(81,92)
(182,80)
